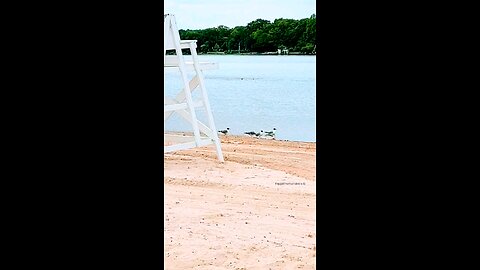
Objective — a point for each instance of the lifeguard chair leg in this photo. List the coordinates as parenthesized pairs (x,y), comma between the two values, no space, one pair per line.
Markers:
(188,93)
(206,103)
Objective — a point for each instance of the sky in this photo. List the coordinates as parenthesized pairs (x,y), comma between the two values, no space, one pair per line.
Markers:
(198,14)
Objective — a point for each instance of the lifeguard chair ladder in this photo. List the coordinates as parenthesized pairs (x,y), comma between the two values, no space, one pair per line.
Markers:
(183,104)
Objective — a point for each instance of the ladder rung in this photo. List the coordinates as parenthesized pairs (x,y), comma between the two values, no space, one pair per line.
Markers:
(181,106)
(184,44)
(188,145)
(175,107)
(173,62)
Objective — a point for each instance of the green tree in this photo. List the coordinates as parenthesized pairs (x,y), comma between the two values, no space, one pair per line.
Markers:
(258,36)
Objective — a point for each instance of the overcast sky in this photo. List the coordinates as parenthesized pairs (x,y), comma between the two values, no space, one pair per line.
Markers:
(198,14)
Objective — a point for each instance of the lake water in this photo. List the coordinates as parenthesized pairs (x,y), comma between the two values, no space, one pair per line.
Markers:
(253,93)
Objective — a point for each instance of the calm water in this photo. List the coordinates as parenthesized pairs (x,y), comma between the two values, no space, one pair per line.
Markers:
(253,93)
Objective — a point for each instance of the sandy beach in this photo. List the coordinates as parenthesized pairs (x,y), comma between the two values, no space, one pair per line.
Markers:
(255,211)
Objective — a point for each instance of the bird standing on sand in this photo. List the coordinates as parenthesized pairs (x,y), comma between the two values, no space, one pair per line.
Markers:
(224,132)
(250,133)
(259,135)
(269,134)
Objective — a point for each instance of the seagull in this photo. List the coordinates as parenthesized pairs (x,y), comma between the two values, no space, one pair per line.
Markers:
(250,133)
(270,135)
(224,132)
(259,135)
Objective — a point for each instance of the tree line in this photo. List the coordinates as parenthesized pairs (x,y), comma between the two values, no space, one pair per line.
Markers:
(259,36)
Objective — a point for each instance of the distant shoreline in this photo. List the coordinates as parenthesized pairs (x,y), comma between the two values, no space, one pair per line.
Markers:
(262,54)
(251,54)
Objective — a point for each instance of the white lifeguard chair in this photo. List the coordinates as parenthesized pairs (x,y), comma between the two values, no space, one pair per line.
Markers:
(183,104)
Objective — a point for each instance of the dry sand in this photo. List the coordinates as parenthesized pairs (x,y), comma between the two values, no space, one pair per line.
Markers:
(255,211)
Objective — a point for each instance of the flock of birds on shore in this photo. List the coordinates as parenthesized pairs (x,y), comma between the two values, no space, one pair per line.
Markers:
(262,134)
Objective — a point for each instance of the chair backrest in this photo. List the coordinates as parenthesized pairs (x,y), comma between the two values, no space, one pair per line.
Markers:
(168,32)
